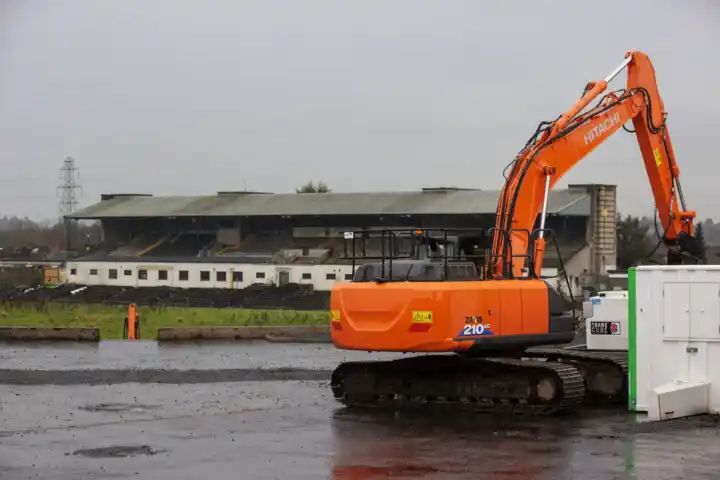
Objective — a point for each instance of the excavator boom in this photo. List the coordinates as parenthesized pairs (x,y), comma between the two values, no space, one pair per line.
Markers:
(560,145)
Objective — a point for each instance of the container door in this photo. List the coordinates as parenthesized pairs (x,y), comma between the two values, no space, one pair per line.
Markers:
(676,311)
(705,311)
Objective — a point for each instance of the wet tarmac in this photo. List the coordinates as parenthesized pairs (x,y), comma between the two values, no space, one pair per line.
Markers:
(287,429)
(112,362)
(209,355)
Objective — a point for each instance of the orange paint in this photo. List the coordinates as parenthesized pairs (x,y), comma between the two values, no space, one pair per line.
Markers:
(132,323)
(379,316)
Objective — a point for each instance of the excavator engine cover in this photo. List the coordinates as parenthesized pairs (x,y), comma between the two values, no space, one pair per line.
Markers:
(446,316)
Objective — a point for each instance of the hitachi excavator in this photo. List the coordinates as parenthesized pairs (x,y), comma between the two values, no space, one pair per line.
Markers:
(483,321)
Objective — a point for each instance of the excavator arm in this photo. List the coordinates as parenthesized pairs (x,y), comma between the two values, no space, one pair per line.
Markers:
(559,145)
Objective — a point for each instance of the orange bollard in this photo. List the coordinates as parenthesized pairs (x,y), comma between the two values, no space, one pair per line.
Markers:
(132,323)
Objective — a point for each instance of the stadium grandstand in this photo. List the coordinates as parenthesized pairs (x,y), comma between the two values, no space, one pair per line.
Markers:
(237,239)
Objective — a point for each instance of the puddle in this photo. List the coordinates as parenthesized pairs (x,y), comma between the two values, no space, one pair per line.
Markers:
(118,407)
(368,472)
(117,451)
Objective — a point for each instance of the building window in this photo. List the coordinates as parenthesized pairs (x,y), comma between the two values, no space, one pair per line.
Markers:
(142,274)
(205,276)
(237,277)
(330,276)
(220,276)
(93,271)
(306,276)
(162,275)
(127,273)
(112,273)
(183,275)
(73,271)
(348,276)
(260,275)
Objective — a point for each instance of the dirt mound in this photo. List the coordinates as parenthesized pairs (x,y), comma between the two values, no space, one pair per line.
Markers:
(292,296)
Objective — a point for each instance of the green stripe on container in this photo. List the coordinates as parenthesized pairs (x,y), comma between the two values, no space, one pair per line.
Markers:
(632,342)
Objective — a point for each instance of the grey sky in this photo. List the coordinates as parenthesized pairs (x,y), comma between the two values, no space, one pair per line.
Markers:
(188,97)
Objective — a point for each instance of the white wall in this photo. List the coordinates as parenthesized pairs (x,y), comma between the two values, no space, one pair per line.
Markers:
(677,316)
(80,273)
(577,266)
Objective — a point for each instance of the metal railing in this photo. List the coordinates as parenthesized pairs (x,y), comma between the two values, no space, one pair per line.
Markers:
(446,245)
(439,244)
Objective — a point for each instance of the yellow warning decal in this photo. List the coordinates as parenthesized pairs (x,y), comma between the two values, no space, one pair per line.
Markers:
(422,316)
(335,315)
(658,156)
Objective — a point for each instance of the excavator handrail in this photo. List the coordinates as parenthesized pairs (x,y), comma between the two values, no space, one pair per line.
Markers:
(390,252)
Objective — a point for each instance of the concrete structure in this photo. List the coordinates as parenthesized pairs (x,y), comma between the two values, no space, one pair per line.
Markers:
(281,238)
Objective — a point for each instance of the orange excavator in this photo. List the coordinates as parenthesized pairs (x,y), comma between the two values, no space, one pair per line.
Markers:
(489,316)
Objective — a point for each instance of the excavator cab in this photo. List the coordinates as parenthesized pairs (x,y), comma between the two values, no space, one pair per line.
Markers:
(416,255)
(417,271)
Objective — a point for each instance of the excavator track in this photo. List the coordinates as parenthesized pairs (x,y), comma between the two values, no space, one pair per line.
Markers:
(495,385)
(605,372)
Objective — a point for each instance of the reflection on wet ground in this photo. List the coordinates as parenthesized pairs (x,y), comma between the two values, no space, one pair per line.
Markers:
(594,444)
(440,445)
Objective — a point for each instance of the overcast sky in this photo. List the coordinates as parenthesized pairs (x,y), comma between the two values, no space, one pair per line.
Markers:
(191,97)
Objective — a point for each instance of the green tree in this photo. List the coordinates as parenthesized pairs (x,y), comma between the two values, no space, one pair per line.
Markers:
(310,187)
(700,237)
(633,242)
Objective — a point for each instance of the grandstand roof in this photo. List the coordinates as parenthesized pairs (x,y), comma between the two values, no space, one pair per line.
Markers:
(572,201)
